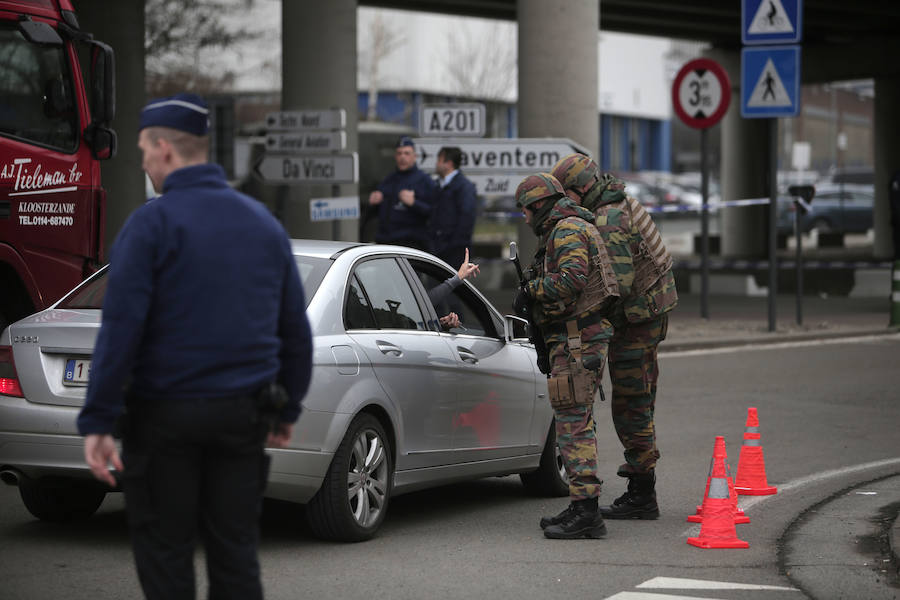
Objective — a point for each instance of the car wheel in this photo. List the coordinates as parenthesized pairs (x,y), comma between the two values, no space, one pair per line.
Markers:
(57,499)
(822,226)
(550,478)
(353,499)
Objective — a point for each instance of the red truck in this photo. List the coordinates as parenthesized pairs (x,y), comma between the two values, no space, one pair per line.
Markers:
(57,101)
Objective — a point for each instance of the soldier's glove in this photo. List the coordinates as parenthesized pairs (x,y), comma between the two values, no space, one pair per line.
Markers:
(521,303)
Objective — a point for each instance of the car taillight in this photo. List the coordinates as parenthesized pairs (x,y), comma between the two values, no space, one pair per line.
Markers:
(9,381)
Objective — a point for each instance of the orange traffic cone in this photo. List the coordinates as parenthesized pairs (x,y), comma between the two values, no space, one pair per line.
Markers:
(739,515)
(751,474)
(717,529)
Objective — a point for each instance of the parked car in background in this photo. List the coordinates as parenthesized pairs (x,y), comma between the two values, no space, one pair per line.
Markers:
(836,207)
(396,402)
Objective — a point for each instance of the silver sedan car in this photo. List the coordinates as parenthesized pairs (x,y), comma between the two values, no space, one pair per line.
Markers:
(397,403)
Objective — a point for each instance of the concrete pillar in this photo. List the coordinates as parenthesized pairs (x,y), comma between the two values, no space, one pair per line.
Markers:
(744,171)
(121,25)
(319,72)
(887,160)
(558,77)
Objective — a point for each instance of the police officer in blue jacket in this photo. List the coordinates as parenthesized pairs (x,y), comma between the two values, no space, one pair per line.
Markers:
(453,215)
(202,358)
(404,199)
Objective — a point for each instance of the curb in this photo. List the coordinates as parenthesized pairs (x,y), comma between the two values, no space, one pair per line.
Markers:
(705,344)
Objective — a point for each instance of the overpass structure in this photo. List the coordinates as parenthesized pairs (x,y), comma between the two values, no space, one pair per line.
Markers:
(557,84)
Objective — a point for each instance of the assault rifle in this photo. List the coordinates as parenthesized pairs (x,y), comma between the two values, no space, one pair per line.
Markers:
(534,331)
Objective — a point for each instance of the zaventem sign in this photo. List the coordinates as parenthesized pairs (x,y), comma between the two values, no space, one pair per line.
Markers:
(498,154)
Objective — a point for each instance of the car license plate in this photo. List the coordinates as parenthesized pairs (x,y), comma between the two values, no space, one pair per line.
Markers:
(77,372)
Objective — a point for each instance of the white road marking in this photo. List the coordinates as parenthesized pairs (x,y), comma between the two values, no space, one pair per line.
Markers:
(747,502)
(678,583)
(894,337)
(650,596)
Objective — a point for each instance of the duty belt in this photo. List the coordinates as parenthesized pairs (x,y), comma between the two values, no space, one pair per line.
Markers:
(593,318)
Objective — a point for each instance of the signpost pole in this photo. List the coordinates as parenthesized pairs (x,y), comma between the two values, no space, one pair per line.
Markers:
(798,262)
(704,227)
(773,219)
(701,93)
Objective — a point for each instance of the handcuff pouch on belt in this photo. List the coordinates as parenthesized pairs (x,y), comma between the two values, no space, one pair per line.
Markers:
(575,387)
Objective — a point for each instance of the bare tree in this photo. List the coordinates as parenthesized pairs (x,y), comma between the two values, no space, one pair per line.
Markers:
(177,33)
(482,65)
(379,41)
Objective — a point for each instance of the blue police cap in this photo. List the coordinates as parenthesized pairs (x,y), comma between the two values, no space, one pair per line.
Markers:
(184,112)
(405,140)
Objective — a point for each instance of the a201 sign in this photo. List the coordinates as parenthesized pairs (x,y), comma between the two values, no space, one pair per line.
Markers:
(452,120)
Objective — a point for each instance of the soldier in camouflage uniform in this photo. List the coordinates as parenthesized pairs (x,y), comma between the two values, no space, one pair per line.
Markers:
(640,324)
(573,287)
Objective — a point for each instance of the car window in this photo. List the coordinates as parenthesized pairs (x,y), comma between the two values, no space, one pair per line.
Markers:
(474,316)
(312,272)
(381,288)
(89,295)
(37,101)
(358,312)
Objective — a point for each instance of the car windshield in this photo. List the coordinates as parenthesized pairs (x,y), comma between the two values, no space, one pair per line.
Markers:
(90,295)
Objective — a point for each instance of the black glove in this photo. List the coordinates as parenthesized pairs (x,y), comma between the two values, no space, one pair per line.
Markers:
(521,303)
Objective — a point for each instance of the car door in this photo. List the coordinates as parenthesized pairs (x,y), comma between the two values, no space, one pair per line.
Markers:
(412,363)
(495,383)
(858,210)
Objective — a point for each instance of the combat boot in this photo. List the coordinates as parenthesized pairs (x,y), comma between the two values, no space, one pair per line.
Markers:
(558,518)
(638,502)
(582,521)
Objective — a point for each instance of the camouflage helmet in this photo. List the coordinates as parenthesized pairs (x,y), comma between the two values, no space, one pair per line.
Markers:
(538,187)
(576,171)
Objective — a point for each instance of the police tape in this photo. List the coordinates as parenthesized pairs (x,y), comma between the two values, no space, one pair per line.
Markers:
(754,265)
(695,264)
(668,208)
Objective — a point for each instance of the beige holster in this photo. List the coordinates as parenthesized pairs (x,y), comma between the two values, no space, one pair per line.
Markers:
(575,387)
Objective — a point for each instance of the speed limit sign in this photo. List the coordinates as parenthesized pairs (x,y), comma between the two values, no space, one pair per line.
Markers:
(701,93)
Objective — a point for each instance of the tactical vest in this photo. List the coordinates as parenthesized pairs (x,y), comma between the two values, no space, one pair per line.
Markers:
(601,282)
(649,257)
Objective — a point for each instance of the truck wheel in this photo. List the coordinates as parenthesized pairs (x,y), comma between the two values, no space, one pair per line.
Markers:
(550,478)
(353,499)
(57,499)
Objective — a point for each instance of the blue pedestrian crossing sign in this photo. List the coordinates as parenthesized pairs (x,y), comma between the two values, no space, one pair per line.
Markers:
(770,82)
(771,21)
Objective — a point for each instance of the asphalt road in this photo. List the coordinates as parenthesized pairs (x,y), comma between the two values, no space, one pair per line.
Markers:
(828,418)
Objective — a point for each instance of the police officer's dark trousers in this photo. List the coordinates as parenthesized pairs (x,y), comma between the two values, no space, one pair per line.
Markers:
(195,467)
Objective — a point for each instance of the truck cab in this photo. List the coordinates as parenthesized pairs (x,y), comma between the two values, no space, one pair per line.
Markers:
(57,100)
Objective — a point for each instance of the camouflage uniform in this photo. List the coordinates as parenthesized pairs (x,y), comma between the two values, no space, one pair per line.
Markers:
(640,321)
(569,251)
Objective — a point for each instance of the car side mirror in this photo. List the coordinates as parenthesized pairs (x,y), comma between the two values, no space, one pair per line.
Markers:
(103,83)
(516,329)
(101,140)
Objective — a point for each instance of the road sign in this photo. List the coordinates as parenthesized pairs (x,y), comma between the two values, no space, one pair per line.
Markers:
(306,120)
(445,120)
(701,93)
(771,21)
(496,184)
(310,168)
(770,82)
(306,141)
(330,209)
(505,155)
